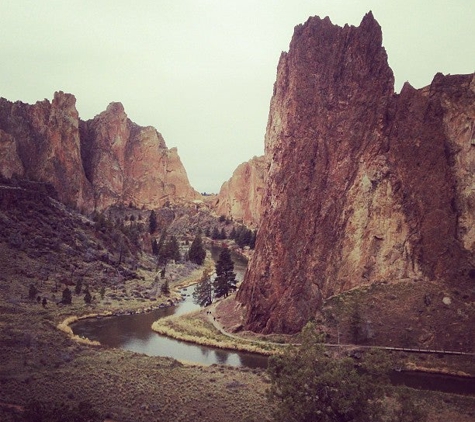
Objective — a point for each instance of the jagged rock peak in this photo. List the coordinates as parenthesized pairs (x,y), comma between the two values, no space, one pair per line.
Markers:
(363,184)
(104,161)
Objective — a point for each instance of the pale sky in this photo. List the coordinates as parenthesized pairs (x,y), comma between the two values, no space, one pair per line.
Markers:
(202,71)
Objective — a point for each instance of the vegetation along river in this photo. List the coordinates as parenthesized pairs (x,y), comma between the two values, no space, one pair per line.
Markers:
(134,332)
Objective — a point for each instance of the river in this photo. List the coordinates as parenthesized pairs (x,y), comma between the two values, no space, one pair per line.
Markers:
(134,333)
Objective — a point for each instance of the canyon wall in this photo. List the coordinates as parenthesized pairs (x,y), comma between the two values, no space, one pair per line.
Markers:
(364,185)
(104,161)
(241,196)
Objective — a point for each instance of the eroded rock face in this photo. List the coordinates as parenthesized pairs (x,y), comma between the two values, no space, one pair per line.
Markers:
(47,145)
(241,196)
(127,163)
(363,184)
(105,161)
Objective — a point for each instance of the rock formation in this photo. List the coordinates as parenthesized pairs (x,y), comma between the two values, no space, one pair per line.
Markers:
(94,164)
(45,146)
(240,197)
(127,163)
(363,184)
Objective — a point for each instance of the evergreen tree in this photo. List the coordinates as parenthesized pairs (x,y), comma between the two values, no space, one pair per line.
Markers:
(222,234)
(172,249)
(232,235)
(87,296)
(306,385)
(155,249)
(208,232)
(32,292)
(215,233)
(102,292)
(203,294)
(197,252)
(225,280)
(78,287)
(67,297)
(243,236)
(152,222)
(162,259)
(165,288)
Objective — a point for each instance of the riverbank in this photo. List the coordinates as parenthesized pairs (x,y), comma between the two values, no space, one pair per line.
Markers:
(198,329)
(109,307)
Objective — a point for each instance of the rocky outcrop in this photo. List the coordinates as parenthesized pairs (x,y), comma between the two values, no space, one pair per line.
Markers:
(105,161)
(45,137)
(241,196)
(363,184)
(127,163)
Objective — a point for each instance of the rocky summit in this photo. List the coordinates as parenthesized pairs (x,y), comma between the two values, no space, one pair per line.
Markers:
(364,185)
(108,160)
(240,198)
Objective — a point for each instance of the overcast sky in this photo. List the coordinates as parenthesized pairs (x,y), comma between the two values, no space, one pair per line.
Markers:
(202,71)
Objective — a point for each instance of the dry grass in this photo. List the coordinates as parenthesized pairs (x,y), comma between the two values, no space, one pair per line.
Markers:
(194,327)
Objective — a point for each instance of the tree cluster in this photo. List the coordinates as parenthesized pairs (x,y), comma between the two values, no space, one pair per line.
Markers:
(217,234)
(166,248)
(308,385)
(223,284)
(244,236)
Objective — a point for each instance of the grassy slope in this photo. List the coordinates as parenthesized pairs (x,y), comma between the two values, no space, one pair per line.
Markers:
(48,246)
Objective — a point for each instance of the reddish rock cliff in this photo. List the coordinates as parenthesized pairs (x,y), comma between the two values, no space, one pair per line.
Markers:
(363,184)
(47,146)
(94,164)
(241,196)
(129,163)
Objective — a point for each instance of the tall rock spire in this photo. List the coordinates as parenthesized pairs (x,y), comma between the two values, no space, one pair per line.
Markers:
(346,201)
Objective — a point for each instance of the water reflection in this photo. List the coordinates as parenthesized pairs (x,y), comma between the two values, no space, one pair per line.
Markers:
(134,333)
(221,356)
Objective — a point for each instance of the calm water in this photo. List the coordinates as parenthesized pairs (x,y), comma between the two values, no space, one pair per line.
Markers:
(134,333)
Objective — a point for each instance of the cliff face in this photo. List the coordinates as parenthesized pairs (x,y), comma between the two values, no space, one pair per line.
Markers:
(241,196)
(129,163)
(104,161)
(363,185)
(45,146)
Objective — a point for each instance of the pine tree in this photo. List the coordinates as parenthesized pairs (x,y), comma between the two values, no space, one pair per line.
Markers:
(222,234)
(197,252)
(78,287)
(67,297)
(225,280)
(155,249)
(32,292)
(152,222)
(215,233)
(162,259)
(203,294)
(165,289)
(87,296)
(172,249)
